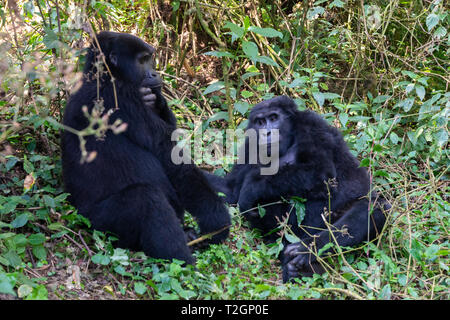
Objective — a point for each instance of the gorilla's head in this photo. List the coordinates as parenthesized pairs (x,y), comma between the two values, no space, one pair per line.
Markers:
(130,59)
(272,121)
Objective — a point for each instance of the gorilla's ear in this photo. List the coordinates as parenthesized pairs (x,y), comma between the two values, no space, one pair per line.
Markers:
(113,58)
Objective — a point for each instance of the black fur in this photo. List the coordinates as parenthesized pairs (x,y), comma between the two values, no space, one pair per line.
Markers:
(132,188)
(311,153)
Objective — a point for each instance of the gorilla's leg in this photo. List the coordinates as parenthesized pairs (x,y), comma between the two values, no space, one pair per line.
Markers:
(350,229)
(143,218)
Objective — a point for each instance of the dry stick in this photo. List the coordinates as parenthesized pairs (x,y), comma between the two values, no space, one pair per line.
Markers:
(330,270)
(370,191)
(338,248)
(107,67)
(410,236)
(207,236)
(322,261)
(84,243)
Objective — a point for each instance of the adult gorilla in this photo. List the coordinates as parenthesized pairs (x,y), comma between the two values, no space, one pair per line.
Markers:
(315,164)
(132,188)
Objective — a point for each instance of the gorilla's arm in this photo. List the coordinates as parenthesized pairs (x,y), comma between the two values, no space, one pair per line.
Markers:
(299,179)
(199,198)
(219,183)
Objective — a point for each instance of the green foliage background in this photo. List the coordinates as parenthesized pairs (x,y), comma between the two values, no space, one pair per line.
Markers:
(378,70)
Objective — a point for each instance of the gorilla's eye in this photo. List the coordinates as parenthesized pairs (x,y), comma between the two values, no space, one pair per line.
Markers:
(273,117)
(144,58)
(260,121)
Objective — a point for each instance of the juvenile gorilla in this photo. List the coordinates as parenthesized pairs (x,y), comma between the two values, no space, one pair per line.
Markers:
(132,188)
(315,164)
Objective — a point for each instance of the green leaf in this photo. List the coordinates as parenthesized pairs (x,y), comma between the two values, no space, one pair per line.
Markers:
(298,82)
(377,148)
(381,99)
(24,290)
(11,162)
(221,115)
(7,284)
(440,32)
(409,88)
(420,91)
(36,239)
(248,75)
(39,293)
(331,95)
(441,137)
(4,225)
(214,87)
(410,74)
(247,94)
(381,173)
(49,201)
(266,32)
(319,97)
(27,166)
(20,240)
(314,13)
(324,248)
(266,60)
(8,207)
(39,252)
(336,3)
(261,211)
(120,255)
(405,104)
(250,49)
(385,293)
(13,258)
(402,280)
(432,20)
(101,259)
(423,80)
(365,162)
(276,248)
(50,39)
(300,211)
(412,137)
(237,32)
(55,226)
(343,117)
(175,5)
(291,238)
(140,288)
(394,138)
(219,54)
(241,107)
(19,221)
(246,23)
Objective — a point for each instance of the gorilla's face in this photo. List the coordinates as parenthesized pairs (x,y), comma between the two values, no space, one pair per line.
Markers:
(131,60)
(272,124)
(144,64)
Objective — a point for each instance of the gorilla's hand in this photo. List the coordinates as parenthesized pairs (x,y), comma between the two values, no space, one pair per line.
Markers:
(297,260)
(148,97)
(191,235)
(250,192)
(246,199)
